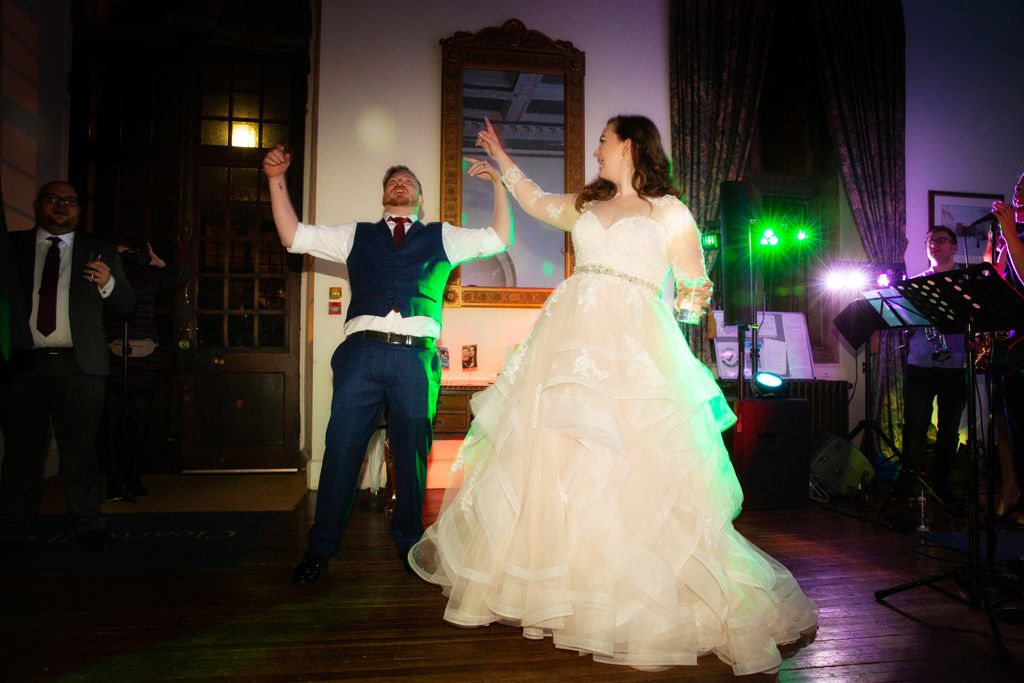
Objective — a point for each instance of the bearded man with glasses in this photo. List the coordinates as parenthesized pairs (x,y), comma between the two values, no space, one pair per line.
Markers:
(64,281)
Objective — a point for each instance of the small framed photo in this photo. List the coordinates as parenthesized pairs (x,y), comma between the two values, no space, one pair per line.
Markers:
(442,353)
(958,211)
(469,357)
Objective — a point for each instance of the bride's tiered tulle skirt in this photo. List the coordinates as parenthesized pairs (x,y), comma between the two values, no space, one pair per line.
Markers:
(592,500)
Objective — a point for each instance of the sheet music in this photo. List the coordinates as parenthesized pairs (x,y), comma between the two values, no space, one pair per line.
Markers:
(783,341)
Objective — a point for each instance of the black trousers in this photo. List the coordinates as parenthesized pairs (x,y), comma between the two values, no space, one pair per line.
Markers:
(923,385)
(55,391)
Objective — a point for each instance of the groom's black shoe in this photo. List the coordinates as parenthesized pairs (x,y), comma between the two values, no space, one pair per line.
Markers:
(308,571)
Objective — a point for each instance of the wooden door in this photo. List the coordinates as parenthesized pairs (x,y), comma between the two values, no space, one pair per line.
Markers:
(166,140)
(240,382)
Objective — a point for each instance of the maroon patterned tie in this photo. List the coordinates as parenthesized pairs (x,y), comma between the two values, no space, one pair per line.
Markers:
(399,234)
(46,316)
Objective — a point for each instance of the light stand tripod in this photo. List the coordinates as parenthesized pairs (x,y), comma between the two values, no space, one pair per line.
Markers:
(876,310)
(970,300)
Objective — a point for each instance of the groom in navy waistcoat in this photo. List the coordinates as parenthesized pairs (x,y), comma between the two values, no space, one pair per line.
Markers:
(398,268)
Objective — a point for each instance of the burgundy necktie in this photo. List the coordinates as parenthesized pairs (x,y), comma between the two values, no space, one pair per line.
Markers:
(399,234)
(46,316)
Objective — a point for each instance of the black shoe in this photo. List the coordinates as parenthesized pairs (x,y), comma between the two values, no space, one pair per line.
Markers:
(308,571)
(115,490)
(97,539)
(370,500)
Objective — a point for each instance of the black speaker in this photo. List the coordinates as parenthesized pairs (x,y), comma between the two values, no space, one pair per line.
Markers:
(739,286)
(770,451)
(839,468)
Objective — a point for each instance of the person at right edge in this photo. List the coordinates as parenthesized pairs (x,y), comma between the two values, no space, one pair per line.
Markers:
(1008,357)
(935,363)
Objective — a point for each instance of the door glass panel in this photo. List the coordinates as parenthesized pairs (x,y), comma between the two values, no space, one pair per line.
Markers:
(211,294)
(215,103)
(275,107)
(274,134)
(211,256)
(240,330)
(242,258)
(243,184)
(240,295)
(272,294)
(272,258)
(271,330)
(214,133)
(213,220)
(246,106)
(211,330)
(244,219)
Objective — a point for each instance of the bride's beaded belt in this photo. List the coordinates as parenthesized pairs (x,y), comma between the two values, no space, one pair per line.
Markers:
(605,270)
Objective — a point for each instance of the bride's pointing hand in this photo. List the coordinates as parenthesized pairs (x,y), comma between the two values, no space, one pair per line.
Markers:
(491,144)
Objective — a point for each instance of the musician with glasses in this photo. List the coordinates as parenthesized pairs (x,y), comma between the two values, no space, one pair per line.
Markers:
(935,363)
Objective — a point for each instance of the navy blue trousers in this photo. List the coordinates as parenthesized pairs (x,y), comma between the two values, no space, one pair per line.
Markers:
(371,375)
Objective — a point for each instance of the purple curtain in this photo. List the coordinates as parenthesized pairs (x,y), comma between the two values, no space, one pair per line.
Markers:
(861,43)
(716,67)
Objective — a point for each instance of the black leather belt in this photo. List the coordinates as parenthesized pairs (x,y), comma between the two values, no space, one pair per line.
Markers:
(53,350)
(392,338)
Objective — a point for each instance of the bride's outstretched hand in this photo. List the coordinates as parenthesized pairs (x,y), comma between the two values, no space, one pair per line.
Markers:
(481,168)
(488,140)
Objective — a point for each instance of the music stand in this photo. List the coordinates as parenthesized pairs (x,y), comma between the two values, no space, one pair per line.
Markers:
(973,299)
(878,309)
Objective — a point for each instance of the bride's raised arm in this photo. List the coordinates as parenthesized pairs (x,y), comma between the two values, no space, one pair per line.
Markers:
(685,255)
(557,210)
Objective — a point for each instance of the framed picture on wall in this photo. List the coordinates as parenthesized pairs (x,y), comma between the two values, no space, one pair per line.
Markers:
(958,210)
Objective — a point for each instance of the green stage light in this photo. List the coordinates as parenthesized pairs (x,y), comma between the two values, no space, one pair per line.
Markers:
(769,238)
(801,235)
(709,241)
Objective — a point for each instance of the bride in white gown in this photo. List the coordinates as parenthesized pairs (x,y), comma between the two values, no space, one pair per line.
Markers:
(592,500)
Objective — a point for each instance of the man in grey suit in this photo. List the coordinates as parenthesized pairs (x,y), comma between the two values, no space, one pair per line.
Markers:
(59,364)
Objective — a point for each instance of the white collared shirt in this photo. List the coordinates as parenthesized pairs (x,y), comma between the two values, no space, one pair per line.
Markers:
(334,243)
(61,335)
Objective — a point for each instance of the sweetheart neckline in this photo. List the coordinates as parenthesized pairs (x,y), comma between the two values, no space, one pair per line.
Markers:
(618,220)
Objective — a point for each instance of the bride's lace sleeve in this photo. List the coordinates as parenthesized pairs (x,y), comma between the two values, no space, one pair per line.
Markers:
(685,254)
(557,210)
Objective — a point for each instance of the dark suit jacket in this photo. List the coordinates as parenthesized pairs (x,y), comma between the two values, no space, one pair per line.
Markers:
(85,305)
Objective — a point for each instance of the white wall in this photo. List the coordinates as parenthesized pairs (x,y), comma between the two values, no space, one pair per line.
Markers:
(380,104)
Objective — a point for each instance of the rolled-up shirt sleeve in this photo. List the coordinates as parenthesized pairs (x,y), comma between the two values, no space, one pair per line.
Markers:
(467,244)
(331,242)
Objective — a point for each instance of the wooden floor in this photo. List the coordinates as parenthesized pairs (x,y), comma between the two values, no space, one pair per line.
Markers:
(366,619)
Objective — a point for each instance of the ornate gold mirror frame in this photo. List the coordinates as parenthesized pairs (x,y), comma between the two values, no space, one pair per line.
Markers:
(521,68)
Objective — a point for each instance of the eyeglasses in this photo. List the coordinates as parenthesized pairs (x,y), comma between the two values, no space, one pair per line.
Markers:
(54,200)
(939,241)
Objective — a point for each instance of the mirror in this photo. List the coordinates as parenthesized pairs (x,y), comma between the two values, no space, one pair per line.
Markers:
(531,88)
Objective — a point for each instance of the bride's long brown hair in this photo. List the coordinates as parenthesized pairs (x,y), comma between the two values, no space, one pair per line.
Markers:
(652,176)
